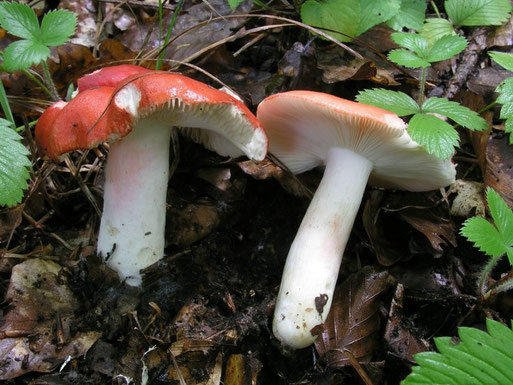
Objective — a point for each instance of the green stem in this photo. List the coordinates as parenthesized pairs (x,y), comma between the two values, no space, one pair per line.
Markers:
(49,82)
(168,35)
(38,82)
(422,87)
(484,275)
(5,104)
(435,9)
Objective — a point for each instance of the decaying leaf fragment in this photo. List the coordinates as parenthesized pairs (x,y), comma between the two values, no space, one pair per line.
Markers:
(353,322)
(37,335)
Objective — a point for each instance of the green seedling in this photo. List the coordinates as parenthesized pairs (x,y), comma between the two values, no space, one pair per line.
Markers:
(505,90)
(478,358)
(494,239)
(425,126)
(21,21)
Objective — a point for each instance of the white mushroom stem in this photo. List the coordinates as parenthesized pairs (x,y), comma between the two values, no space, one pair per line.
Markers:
(131,233)
(314,258)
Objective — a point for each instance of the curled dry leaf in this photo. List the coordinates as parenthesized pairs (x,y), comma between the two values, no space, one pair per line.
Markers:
(353,322)
(36,335)
(469,200)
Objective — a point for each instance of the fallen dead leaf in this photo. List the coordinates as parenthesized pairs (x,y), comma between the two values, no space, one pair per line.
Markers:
(353,323)
(37,330)
(469,200)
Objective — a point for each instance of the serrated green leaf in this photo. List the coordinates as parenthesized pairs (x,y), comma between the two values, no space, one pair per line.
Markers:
(446,47)
(438,137)
(506,111)
(502,216)
(503,59)
(19,20)
(412,41)
(435,29)
(411,15)
(480,358)
(508,128)
(407,58)
(478,12)
(394,101)
(484,236)
(352,17)
(455,111)
(23,53)
(57,26)
(14,165)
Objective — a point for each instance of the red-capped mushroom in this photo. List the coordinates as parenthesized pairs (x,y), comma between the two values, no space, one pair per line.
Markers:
(357,143)
(137,118)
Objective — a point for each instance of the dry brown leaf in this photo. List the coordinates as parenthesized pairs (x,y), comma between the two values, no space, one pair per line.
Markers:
(353,322)
(10,219)
(241,370)
(400,340)
(499,167)
(85,33)
(40,300)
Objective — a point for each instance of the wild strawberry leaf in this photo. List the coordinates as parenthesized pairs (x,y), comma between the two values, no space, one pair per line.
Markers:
(446,47)
(352,17)
(434,29)
(493,239)
(478,12)
(411,15)
(479,358)
(411,41)
(394,101)
(407,58)
(57,26)
(14,165)
(462,115)
(24,53)
(437,136)
(19,20)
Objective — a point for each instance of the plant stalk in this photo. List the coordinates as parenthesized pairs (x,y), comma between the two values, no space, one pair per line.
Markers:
(422,87)
(158,66)
(49,82)
(5,104)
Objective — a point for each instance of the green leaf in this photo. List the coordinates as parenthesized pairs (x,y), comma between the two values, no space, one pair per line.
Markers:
(503,59)
(446,47)
(501,214)
(505,90)
(352,17)
(234,3)
(434,29)
(411,15)
(479,358)
(462,115)
(14,165)
(411,41)
(394,101)
(57,26)
(407,58)
(492,240)
(23,53)
(438,137)
(19,20)
(478,12)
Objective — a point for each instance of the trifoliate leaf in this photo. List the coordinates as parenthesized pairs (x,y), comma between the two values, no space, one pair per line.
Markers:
(479,358)
(23,53)
(505,90)
(478,12)
(462,115)
(411,15)
(14,165)
(57,26)
(394,101)
(503,59)
(352,17)
(411,41)
(492,240)
(19,20)
(407,58)
(437,136)
(446,47)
